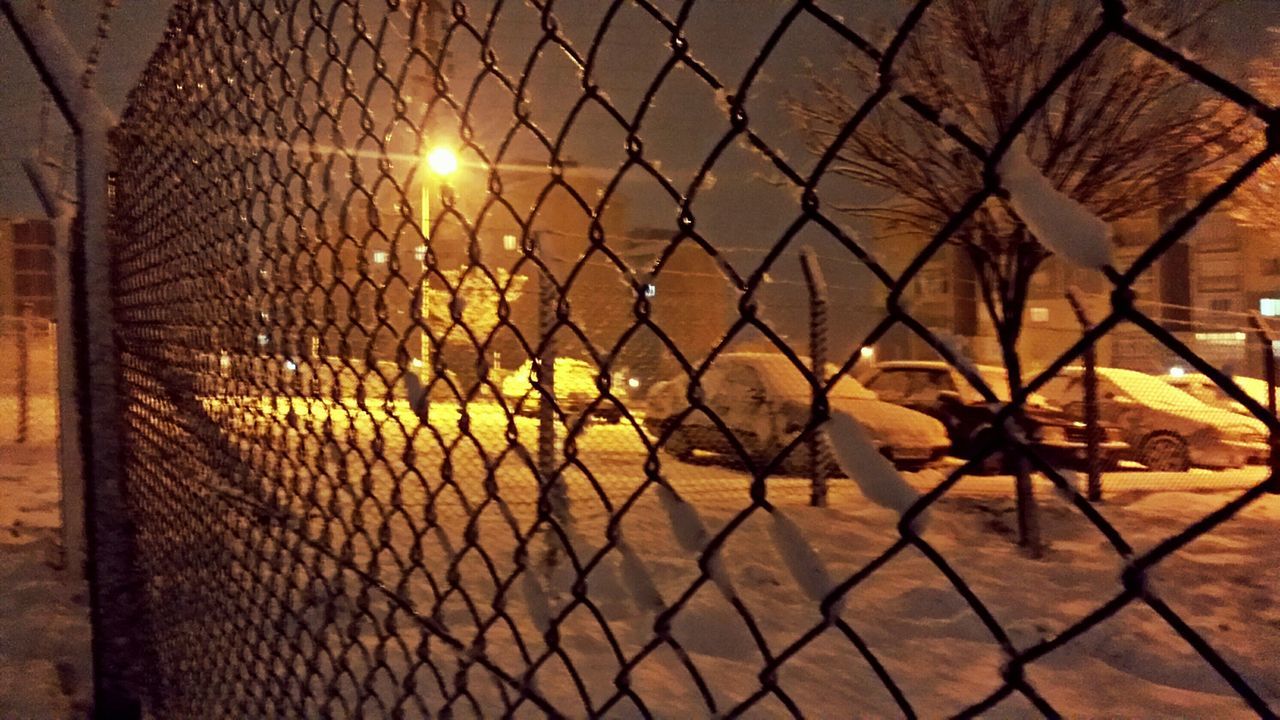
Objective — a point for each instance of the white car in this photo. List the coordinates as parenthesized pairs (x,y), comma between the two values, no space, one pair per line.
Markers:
(1167,428)
(575,389)
(765,401)
(1207,391)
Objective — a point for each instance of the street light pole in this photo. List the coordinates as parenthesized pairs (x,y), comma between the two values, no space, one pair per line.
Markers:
(424,211)
(440,162)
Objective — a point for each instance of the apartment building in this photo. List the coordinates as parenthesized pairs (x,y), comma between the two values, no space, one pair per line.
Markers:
(26,266)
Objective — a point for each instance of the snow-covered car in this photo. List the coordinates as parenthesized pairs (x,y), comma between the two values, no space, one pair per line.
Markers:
(1168,429)
(765,401)
(1207,391)
(938,389)
(575,389)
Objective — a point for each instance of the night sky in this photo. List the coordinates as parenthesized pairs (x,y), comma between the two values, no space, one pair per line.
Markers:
(138,25)
(739,212)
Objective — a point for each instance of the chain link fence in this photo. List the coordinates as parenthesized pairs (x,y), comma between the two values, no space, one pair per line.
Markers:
(28,377)
(454,340)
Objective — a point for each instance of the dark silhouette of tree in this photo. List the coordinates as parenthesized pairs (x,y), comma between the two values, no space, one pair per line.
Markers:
(1120,131)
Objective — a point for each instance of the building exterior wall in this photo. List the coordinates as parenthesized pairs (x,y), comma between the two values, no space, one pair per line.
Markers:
(26,267)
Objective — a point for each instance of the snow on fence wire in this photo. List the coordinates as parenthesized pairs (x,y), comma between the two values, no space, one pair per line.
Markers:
(401,291)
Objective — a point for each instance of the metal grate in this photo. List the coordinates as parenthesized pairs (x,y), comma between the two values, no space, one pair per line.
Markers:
(382,452)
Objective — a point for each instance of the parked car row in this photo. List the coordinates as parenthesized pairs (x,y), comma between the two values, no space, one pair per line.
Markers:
(765,401)
(1166,427)
(575,389)
(939,390)
(919,411)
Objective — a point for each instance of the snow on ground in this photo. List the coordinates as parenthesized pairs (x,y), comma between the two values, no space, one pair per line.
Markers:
(44,618)
(464,569)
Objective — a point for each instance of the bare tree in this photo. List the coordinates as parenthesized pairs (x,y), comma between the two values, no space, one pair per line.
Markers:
(1253,204)
(1120,132)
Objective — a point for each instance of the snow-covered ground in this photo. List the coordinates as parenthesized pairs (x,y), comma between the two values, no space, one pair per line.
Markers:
(44,617)
(386,563)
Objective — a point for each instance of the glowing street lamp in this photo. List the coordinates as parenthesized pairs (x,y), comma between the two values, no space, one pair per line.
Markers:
(443,161)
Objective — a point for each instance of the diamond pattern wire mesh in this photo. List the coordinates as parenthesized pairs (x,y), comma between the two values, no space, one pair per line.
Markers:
(314,542)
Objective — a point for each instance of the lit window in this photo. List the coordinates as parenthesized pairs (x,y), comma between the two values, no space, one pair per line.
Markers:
(1039,314)
(1221,338)
(509,242)
(420,253)
(380,256)
(650,290)
(263,339)
(1270,307)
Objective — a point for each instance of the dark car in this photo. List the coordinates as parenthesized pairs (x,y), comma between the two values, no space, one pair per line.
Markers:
(937,389)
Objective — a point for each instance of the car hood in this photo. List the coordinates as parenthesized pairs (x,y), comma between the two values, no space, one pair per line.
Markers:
(894,425)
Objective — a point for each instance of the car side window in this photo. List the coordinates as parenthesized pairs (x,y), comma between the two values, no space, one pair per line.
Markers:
(1063,389)
(926,385)
(744,381)
(890,385)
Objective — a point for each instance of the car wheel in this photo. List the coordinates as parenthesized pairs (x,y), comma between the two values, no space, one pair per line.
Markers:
(1165,453)
(992,464)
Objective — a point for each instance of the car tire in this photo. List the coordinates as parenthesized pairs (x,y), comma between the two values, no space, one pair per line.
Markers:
(992,464)
(1165,452)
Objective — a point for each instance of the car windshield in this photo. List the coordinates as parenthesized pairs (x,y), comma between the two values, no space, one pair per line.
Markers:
(1253,387)
(1151,391)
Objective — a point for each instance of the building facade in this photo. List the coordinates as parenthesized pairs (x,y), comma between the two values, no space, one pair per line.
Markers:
(26,267)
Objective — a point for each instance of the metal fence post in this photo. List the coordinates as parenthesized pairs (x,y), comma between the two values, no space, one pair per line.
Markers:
(113,598)
(1269,368)
(554,500)
(818,465)
(1093,429)
(24,372)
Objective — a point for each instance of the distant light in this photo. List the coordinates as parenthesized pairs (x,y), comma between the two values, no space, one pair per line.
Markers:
(867,352)
(224,361)
(263,339)
(650,290)
(509,242)
(1177,372)
(420,253)
(633,383)
(1221,338)
(1039,314)
(290,365)
(416,363)
(380,256)
(443,161)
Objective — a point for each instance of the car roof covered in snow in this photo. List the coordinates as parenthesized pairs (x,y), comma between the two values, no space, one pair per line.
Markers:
(783,376)
(994,375)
